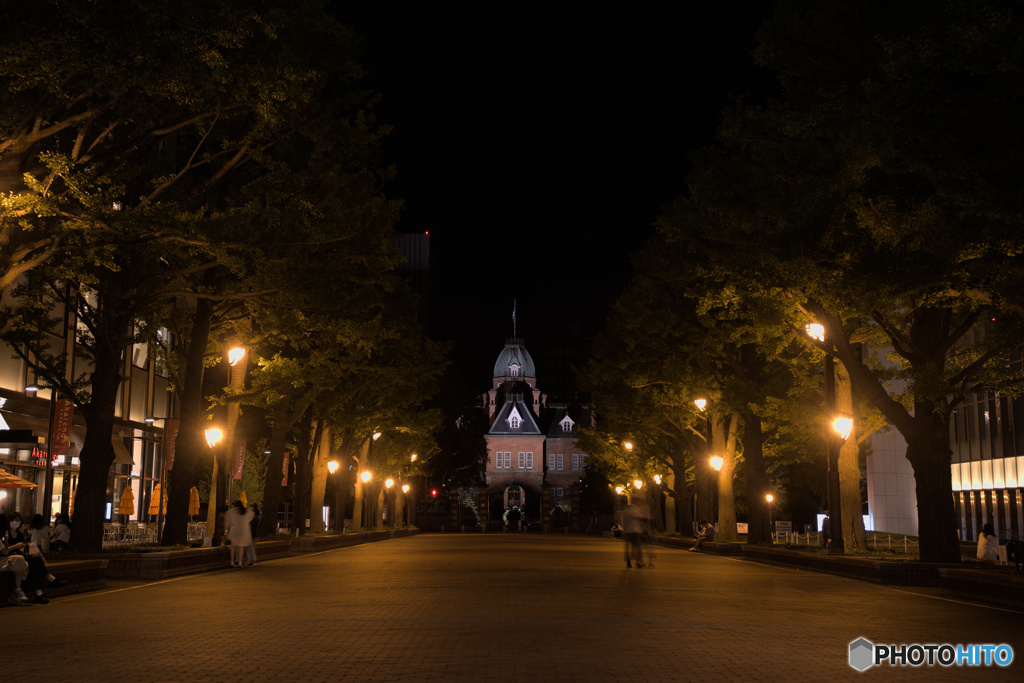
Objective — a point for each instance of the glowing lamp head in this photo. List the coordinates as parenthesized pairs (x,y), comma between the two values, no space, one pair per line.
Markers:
(236,354)
(618,490)
(405,488)
(413,457)
(213,436)
(376,435)
(701,404)
(769,497)
(816,331)
(365,476)
(843,426)
(389,483)
(716,462)
(332,466)
(638,484)
(657,478)
(628,445)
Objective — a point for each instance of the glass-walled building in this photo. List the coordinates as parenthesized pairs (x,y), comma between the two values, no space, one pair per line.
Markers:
(27,417)
(987,439)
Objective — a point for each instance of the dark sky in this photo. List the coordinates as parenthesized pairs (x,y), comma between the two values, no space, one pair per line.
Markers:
(537,147)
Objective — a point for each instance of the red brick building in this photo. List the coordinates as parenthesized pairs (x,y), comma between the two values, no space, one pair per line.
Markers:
(533,461)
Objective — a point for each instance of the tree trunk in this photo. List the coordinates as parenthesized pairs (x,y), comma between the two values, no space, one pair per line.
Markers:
(724,430)
(358,510)
(275,461)
(671,506)
(851,505)
(190,449)
(320,472)
(756,479)
(304,448)
(929,454)
(654,504)
(97,455)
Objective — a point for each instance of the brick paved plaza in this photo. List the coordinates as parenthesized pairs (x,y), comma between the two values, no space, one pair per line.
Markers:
(492,608)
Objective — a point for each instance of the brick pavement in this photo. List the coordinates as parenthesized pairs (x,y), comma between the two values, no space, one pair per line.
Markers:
(493,608)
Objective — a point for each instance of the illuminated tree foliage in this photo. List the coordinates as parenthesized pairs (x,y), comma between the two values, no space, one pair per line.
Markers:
(881,191)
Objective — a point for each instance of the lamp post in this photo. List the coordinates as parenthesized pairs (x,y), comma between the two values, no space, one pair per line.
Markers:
(770,498)
(833,444)
(213,438)
(388,504)
(701,404)
(357,509)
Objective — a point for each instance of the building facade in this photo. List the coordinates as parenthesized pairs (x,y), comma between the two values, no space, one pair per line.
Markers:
(987,469)
(28,416)
(534,465)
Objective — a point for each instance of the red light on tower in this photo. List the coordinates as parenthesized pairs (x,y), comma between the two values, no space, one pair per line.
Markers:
(433,492)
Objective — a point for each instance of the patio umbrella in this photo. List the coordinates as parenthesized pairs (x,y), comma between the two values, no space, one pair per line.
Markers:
(155,501)
(193,502)
(127,505)
(244,501)
(9,481)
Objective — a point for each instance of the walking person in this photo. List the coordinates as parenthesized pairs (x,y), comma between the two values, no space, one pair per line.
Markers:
(634,526)
(254,525)
(238,531)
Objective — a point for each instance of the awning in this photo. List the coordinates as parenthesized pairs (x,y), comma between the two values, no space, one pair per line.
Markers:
(121,454)
(38,426)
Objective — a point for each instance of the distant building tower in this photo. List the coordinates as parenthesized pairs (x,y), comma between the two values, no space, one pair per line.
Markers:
(416,267)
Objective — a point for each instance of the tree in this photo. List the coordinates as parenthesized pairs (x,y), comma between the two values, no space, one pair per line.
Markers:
(879,191)
(135,142)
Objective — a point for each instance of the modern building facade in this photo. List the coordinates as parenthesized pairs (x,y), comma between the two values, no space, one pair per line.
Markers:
(987,442)
(28,417)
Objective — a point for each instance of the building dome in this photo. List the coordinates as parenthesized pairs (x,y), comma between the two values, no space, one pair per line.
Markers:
(514,361)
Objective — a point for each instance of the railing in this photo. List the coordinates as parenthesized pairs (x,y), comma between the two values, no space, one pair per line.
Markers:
(875,541)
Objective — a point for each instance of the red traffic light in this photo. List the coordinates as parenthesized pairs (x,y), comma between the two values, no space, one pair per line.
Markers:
(433,492)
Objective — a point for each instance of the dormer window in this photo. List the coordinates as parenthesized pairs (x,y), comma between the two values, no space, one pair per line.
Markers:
(513,370)
(567,424)
(514,419)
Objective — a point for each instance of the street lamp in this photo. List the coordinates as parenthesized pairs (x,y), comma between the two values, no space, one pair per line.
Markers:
(833,444)
(769,498)
(717,463)
(213,436)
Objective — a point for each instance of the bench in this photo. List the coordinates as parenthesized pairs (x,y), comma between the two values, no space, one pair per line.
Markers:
(80,575)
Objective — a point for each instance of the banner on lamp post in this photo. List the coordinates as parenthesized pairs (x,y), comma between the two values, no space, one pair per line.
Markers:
(284,471)
(239,459)
(171,428)
(62,418)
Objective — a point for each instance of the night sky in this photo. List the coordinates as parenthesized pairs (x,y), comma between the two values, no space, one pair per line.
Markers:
(538,146)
